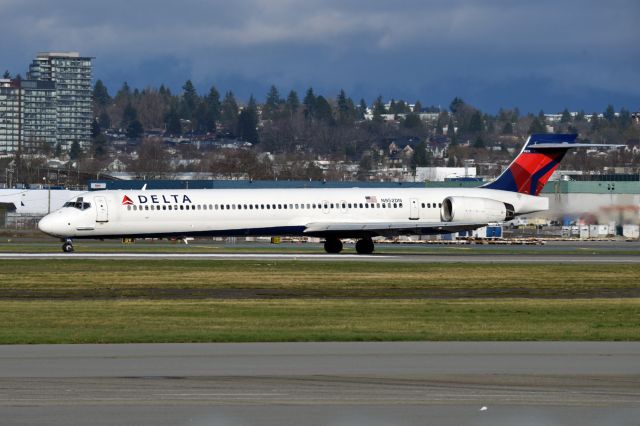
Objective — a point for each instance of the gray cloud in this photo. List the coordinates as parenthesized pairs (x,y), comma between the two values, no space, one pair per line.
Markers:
(408,47)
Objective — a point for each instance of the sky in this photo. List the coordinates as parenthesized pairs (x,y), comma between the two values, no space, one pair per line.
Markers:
(534,55)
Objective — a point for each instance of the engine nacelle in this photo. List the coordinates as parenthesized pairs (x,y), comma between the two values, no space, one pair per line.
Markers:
(475,209)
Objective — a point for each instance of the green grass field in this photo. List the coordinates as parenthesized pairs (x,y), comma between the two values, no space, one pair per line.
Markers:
(82,301)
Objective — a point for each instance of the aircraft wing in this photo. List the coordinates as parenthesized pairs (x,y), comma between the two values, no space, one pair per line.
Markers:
(389,228)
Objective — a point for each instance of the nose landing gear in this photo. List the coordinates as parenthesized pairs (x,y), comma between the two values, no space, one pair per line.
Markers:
(67,246)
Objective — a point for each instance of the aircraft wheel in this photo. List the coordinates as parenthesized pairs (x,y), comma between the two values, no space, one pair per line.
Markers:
(67,247)
(333,245)
(365,246)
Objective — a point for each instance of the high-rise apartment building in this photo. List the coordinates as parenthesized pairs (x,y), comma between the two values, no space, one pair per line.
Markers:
(28,114)
(53,106)
(71,74)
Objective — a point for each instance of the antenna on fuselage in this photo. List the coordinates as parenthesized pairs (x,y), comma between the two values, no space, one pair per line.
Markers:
(144,187)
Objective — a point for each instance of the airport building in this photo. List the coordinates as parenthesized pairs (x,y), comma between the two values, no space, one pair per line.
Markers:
(54,105)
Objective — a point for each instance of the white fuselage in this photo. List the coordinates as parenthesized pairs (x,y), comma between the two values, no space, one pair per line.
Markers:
(151,213)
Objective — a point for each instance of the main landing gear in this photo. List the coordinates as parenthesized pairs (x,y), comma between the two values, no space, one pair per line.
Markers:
(67,246)
(363,246)
(333,245)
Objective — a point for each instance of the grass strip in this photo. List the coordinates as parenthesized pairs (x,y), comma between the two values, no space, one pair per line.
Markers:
(184,279)
(127,321)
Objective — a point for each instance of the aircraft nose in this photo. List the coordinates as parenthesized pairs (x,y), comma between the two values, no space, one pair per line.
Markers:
(49,225)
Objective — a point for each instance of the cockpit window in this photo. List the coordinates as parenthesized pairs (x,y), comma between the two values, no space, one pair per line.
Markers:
(78,204)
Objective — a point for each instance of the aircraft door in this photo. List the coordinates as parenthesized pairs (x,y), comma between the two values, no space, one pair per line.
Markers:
(414,209)
(102,211)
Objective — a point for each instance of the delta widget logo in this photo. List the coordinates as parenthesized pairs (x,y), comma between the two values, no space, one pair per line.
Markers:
(126,201)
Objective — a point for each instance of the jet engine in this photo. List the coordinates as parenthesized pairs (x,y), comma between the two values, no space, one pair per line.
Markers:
(475,210)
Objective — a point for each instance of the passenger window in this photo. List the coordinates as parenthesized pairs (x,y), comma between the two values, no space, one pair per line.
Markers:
(423,205)
(129,207)
(440,205)
(308,206)
(400,205)
(361,206)
(384,206)
(268,206)
(395,206)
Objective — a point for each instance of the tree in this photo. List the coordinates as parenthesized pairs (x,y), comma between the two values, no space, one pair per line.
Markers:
(248,122)
(365,166)
(412,121)
(99,146)
(229,116)
(323,110)
(131,124)
(95,128)
(456,104)
(272,104)
(420,156)
(378,110)
(537,126)
(173,126)
(610,113)
(507,129)
(362,109)
(292,103)
(475,124)
(101,94)
(189,100)
(346,109)
(417,107)
(6,74)
(309,103)
(566,116)
(479,142)
(75,152)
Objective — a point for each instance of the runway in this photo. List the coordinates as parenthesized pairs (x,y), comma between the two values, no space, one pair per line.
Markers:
(450,383)
(530,258)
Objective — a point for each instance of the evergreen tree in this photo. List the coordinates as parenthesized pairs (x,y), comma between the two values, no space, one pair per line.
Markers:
(378,110)
(189,100)
(362,109)
(104,120)
(272,104)
(101,94)
(537,126)
(323,110)
(172,122)
(610,113)
(229,114)
(420,156)
(95,128)
(213,105)
(346,110)
(6,74)
(412,121)
(507,129)
(75,152)
(248,122)
(99,146)
(566,116)
(124,94)
(479,142)
(293,103)
(58,150)
(131,124)
(417,107)
(455,105)
(309,103)
(475,124)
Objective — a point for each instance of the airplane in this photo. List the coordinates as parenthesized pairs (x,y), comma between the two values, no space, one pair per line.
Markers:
(329,213)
